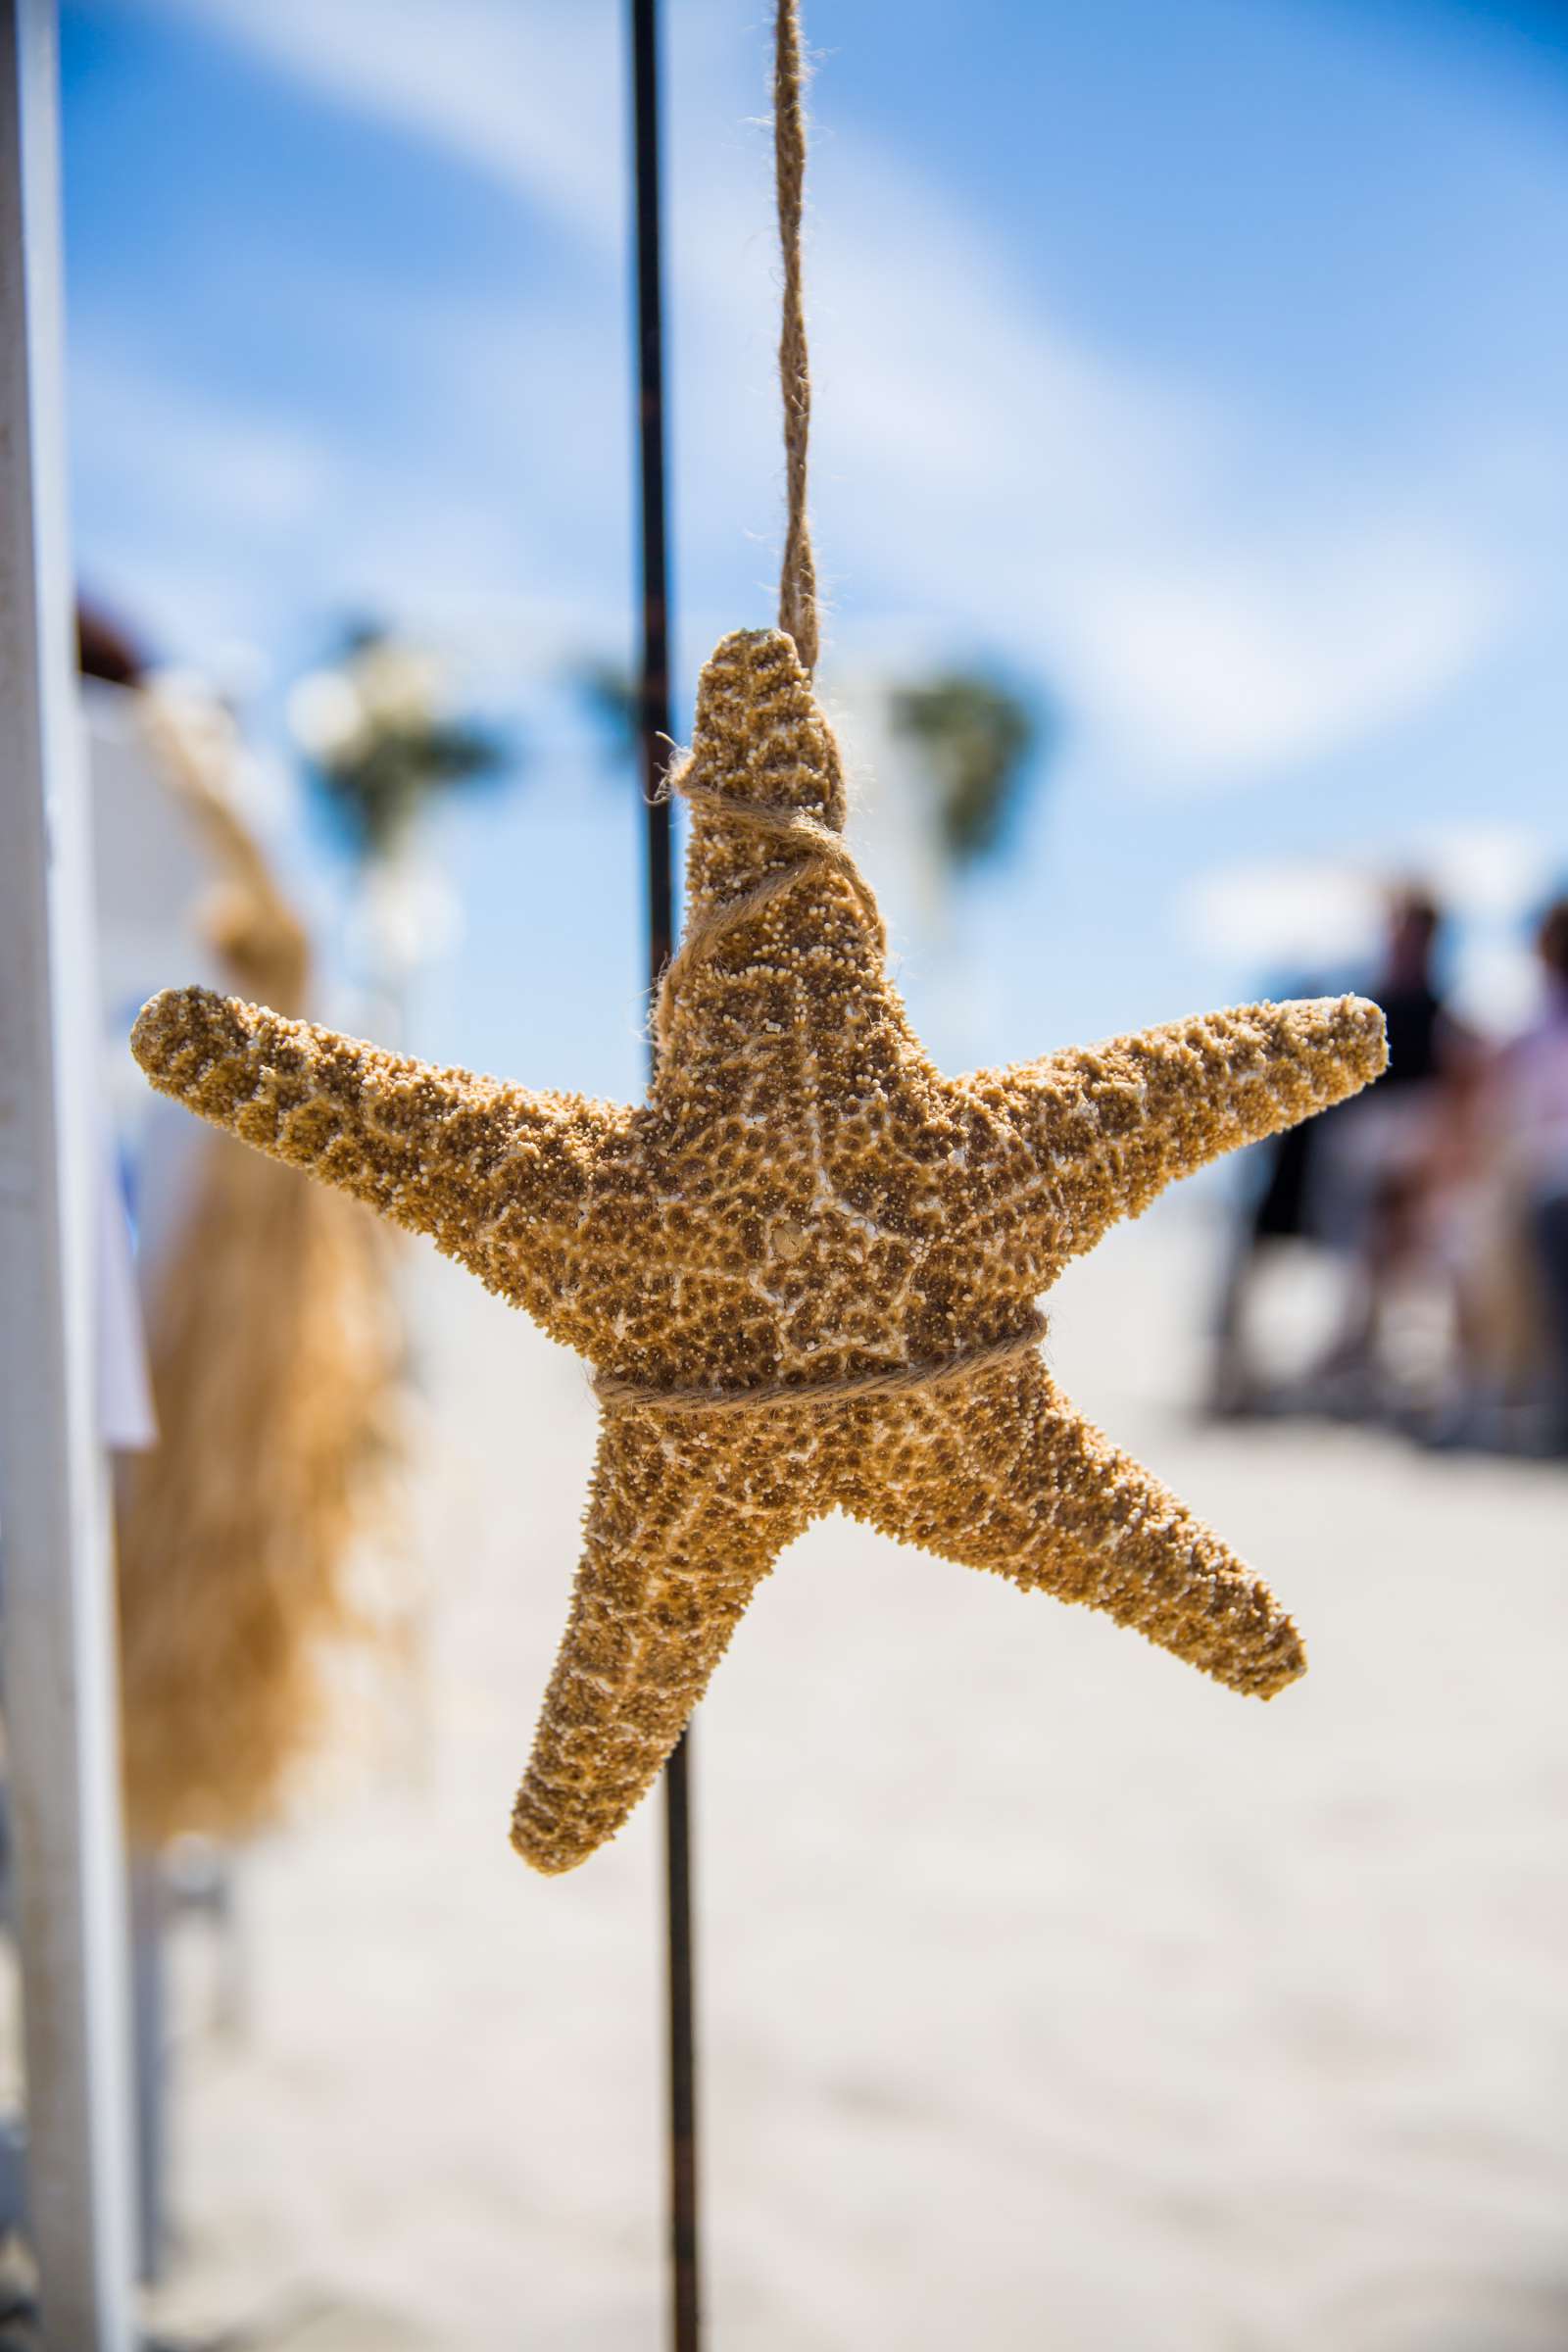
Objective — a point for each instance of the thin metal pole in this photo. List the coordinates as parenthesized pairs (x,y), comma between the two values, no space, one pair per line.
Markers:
(654,742)
(654,699)
(61,1733)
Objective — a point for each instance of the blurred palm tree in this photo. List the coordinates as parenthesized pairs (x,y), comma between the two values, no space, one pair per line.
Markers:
(381,743)
(610,697)
(978,742)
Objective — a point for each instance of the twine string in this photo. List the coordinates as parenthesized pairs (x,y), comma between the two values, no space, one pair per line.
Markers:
(616,1394)
(797,587)
(818,845)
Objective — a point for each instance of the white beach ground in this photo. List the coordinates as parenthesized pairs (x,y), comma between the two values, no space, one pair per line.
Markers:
(1051,1997)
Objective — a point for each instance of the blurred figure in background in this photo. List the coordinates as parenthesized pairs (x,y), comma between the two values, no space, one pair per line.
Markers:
(1532,1109)
(1359,1182)
(1278,1215)
(1382,1164)
(1442,1194)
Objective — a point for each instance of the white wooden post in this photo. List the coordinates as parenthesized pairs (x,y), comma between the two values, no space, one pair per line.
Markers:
(55,1599)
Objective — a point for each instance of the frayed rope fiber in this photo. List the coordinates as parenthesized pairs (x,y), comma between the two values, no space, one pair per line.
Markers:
(798,615)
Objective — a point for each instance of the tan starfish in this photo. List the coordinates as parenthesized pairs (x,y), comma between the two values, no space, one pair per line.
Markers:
(803,1203)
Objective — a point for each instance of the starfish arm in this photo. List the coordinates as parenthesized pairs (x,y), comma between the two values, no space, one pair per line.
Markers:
(682,1527)
(438,1150)
(1109,1127)
(1005,1475)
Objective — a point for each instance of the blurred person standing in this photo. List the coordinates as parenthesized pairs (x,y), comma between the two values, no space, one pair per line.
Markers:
(1533,1113)
(1274,1214)
(1353,1180)
(1377,1158)
(1413,1007)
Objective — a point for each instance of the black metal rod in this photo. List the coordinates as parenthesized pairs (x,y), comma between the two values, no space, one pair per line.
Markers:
(654,743)
(654,709)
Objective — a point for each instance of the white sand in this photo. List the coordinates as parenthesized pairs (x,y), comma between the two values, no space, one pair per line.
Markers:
(1051,1997)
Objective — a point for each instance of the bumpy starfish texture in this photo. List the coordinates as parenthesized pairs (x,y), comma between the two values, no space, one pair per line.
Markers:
(803,1203)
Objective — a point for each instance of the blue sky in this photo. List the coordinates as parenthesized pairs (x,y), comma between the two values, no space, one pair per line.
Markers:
(1207,364)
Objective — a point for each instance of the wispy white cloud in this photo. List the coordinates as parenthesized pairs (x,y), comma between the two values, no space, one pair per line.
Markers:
(1239,657)
(243,468)
(1208,614)
(1494,872)
(1280,914)
(531,94)
(177,478)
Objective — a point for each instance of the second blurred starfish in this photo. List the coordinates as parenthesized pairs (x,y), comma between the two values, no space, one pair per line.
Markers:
(806,1266)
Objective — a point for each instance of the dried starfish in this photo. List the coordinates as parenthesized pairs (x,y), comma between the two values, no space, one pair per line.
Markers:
(806,1267)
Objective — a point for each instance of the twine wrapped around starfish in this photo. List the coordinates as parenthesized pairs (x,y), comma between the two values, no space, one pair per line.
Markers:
(806,1267)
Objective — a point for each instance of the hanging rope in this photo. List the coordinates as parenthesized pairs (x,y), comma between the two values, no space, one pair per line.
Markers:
(818,844)
(797,587)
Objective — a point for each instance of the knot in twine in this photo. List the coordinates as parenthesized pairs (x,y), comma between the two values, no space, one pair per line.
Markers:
(618,1395)
(820,846)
